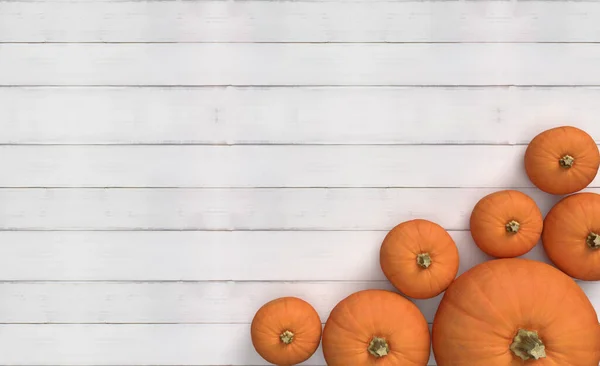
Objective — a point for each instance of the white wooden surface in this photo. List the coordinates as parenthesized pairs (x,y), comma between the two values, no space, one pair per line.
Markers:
(169,166)
(264,166)
(300,64)
(302,21)
(325,115)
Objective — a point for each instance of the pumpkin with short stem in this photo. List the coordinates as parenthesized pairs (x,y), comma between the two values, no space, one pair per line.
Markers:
(506,224)
(286,331)
(419,258)
(376,327)
(571,236)
(514,312)
(562,160)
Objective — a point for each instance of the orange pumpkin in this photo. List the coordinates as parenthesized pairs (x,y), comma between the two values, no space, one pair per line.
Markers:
(286,331)
(507,311)
(419,258)
(562,160)
(376,327)
(571,236)
(506,224)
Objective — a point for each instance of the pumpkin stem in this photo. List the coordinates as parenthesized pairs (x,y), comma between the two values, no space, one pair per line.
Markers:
(527,345)
(378,347)
(593,241)
(512,226)
(424,260)
(286,337)
(566,161)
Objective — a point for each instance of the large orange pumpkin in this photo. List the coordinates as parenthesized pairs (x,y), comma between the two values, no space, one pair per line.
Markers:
(562,160)
(419,258)
(376,327)
(571,236)
(286,331)
(506,224)
(510,312)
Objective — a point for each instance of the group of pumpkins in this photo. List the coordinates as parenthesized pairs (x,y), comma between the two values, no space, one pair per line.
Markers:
(507,311)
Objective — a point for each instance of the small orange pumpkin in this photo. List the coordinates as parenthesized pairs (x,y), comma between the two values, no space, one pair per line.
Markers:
(286,331)
(571,236)
(419,258)
(562,160)
(376,327)
(506,224)
(514,312)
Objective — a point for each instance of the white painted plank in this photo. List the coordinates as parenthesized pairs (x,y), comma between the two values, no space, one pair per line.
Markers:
(241,209)
(300,64)
(397,115)
(124,345)
(264,166)
(205,255)
(299,21)
(200,302)
(181,344)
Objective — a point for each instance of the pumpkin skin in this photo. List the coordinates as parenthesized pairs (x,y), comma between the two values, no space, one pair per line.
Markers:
(506,224)
(376,327)
(419,258)
(286,331)
(571,236)
(562,160)
(489,316)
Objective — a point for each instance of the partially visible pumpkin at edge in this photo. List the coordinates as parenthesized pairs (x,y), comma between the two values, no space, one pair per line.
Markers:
(512,312)
(571,236)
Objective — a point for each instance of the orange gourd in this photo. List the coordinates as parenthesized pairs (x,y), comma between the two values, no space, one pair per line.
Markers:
(286,331)
(562,160)
(514,312)
(506,224)
(571,236)
(419,258)
(376,327)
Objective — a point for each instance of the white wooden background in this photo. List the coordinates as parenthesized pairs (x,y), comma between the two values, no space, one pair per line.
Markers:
(169,166)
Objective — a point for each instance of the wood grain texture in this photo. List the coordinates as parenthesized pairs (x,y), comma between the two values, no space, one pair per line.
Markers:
(171,274)
(206,256)
(299,21)
(242,209)
(353,115)
(300,64)
(132,345)
(158,344)
(190,303)
(264,166)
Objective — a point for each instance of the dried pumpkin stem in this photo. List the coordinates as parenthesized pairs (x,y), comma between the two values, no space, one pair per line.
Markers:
(286,337)
(378,347)
(593,241)
(528,345)
(423,260)
(566,161)
(512,226)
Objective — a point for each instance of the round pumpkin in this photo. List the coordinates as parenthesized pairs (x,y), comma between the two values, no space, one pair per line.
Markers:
(562,160)
(419,258)
(515,311)
(286,331)
(506,224)
(571,236)
(376,327)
